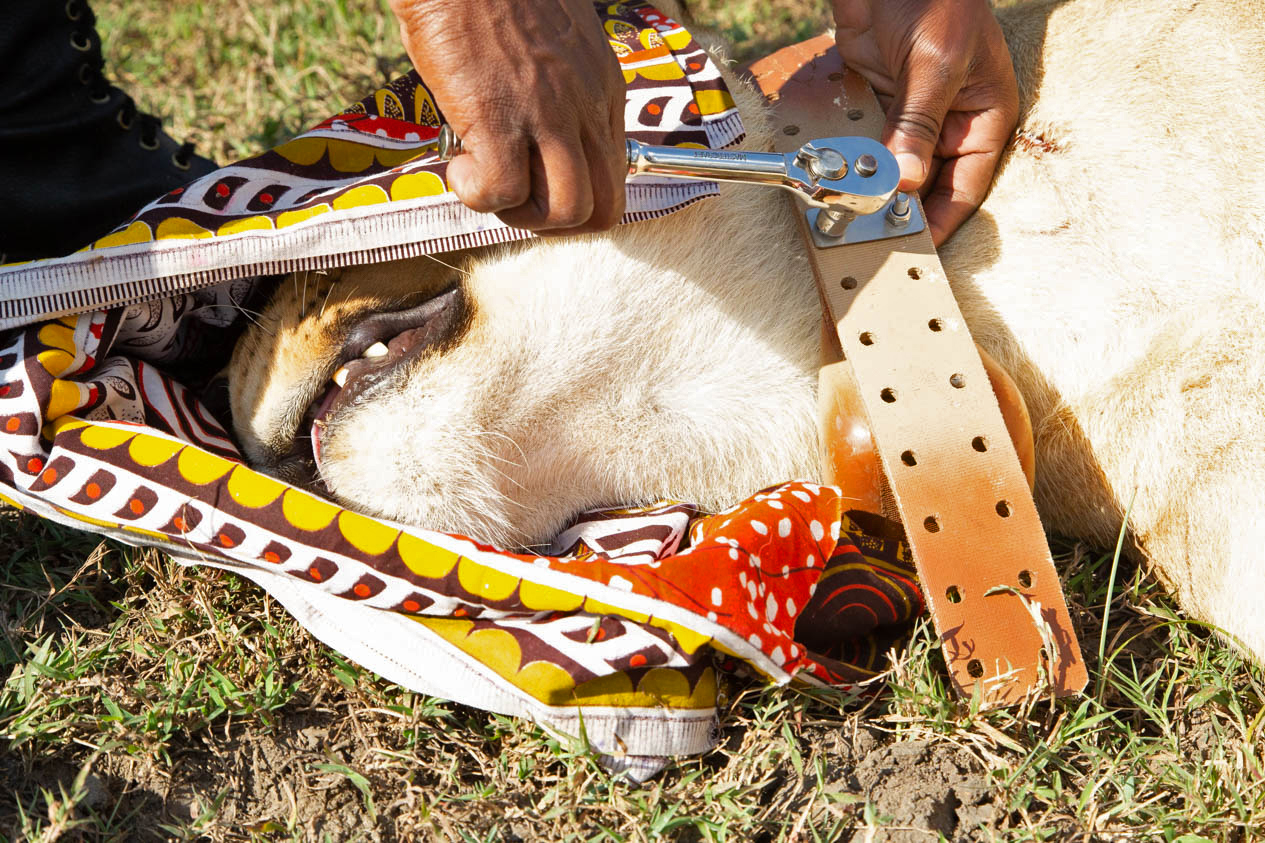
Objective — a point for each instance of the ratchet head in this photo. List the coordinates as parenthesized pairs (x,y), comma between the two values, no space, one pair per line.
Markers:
(851,175)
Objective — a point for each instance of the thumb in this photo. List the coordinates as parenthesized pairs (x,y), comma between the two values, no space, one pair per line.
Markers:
(914,120)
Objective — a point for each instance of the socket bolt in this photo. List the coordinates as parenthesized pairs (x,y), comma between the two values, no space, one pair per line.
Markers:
(834,222)
(866,166)
(898,215)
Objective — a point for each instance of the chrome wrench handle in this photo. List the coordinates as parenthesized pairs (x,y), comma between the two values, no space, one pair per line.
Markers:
(851,175)
(844,178)
(708,164)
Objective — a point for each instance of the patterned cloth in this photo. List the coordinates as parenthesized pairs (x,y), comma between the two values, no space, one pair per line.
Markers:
(104,426)
(365,186)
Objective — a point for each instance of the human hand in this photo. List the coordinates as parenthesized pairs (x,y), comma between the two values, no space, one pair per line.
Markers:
(943,74)
(537,97)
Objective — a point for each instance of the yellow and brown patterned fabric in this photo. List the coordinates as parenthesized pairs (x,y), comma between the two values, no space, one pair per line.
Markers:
(365,185)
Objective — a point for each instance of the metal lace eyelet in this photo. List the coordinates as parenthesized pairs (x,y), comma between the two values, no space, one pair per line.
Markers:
(100,100)
(180,165)
(74,9)
(125,123)
(80,42)
(85,74)
(150,145)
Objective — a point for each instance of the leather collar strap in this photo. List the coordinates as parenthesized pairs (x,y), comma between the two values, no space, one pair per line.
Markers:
(953,473)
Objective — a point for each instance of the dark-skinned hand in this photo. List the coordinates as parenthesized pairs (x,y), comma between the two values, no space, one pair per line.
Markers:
(537,97)
(943,74)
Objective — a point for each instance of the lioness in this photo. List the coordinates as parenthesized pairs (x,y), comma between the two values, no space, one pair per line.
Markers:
(1115,270)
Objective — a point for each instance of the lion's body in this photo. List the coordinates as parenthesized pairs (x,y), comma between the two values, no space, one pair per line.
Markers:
(1115,270)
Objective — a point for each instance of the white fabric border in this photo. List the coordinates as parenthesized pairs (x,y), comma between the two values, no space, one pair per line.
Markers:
(422,661)
(95,280)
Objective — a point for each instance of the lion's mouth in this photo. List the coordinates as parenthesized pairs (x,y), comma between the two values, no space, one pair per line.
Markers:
(378,347)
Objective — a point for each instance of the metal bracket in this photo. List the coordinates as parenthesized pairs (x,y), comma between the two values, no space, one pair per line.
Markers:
(870,227)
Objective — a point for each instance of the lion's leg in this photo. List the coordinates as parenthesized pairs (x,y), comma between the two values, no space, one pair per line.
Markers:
(1210,548)
(1182,437)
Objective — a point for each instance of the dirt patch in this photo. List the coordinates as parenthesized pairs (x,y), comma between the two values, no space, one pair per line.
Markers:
(326,772)
(296,778)
(920,790)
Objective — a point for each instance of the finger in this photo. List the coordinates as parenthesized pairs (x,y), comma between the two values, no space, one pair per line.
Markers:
(607,154)
(608,168)
(917,113)
(607,178)
(561,191)
(607,163)
(493,175)
(960,188)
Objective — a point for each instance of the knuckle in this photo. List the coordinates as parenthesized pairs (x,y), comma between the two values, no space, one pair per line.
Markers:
(490,180)
(570,215)
(937,57)
(490,196)
(917,123)
(513,192)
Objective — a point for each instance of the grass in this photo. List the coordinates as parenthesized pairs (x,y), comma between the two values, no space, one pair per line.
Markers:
(143,700)
(758,27)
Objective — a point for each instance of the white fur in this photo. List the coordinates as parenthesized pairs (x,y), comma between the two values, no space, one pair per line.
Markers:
(1115,270)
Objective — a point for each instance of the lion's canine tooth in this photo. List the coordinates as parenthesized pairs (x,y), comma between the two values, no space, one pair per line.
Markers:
(340,377)
(376,350)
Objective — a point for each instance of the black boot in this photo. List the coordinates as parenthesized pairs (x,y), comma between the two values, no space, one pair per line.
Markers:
(76,157)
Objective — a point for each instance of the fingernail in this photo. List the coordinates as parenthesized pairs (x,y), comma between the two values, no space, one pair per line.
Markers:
(912,171)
